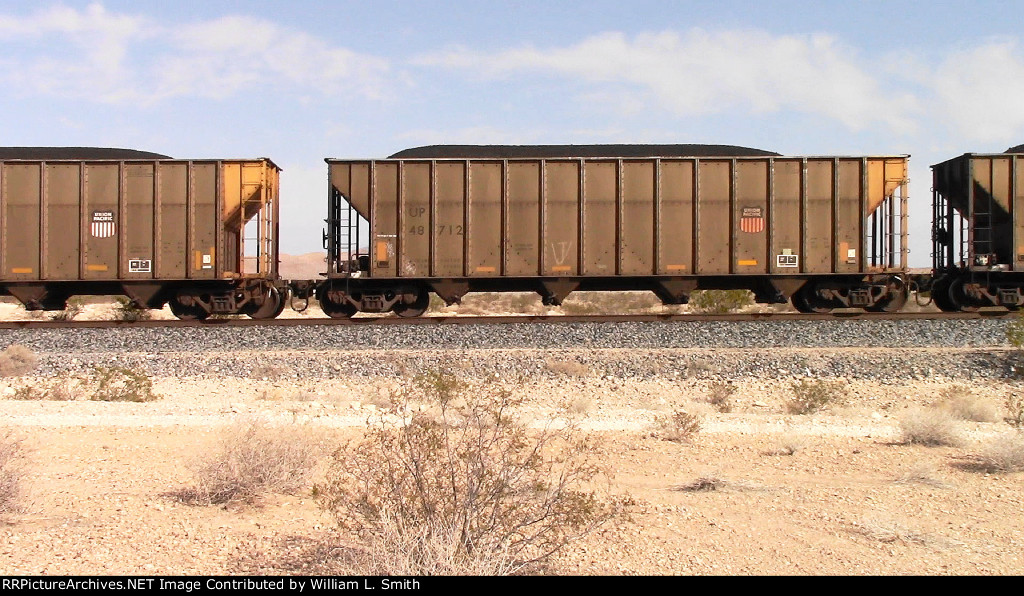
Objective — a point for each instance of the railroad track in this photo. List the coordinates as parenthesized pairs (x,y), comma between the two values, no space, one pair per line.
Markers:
(509,319)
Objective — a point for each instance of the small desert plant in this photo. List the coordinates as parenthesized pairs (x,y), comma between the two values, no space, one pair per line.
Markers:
(1015,411)
(125,309)
(887,530)
(582,405)
(72,309)
(62,388)
(436,304)
(1003,454)
(593,303)
(17,360)
(714,482)
(812,395)
(11,472)
(789,444)
(1015,332)
(720,301)
(268,371)
(962,403)
(121,384)
(720,396)
(253,459)
(920,473)
(569,368)
(679,427)
(703,484)
(464,488)
(699,368)
(929,426)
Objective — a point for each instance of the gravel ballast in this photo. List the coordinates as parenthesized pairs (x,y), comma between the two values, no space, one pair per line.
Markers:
(644,335)
(878,350)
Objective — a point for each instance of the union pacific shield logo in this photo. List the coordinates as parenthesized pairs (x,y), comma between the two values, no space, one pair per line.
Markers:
(752,220)
(102,224)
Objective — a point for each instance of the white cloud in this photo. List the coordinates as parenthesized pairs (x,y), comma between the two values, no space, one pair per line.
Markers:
(979,92)
(700,72)
(73,53)
(221,57)
(115,58)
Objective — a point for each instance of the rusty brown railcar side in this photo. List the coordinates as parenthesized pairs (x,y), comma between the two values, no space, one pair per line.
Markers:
(978,231)
(145,228)
(678,224)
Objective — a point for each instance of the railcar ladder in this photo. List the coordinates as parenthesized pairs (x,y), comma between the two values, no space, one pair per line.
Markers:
(257,235)
(982,228)
(884,231)
(944,233)
(342,235)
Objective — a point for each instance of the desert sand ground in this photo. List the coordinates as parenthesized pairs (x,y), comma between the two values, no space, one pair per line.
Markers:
(836,492)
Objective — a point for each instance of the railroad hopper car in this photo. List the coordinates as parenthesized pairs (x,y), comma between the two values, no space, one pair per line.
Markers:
(978,231)
(200,235)
(824,232)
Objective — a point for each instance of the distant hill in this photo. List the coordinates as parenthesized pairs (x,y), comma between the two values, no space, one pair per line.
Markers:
(307,266)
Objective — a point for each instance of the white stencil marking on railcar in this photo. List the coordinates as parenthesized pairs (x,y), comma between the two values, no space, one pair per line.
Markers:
(561,250)
(102,224)
(787,260)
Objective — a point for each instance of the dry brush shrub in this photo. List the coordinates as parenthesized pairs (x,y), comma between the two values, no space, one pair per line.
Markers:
(714,482)
(886,529)
(679,427)
(17,360)
(789,444)
(251,460)
(436,304)
(100,384)
(920,473)
(569,368)
(582,405)
(933,427)
(72,309)
(720,396)
(1003,454)
(11,472)
(117,383)
(268,371)
(1015,411)
(963,403)
(464,487)
(593,303)
(61,388)
(1015,332)
(125,309)
(498,302)
(813,395)
(720,301)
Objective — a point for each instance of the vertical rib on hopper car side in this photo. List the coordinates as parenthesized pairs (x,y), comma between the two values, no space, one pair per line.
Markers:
(156,230)
(826,232)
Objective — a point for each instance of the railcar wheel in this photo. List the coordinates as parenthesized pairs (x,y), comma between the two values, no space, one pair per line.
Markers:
(187,313)
(337,311)
(416,309)
(799,303)
(940,296)
(891,303)
(273,305)
(959,297)
(806,301)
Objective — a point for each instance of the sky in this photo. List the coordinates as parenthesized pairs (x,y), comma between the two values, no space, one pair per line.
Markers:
(302,81)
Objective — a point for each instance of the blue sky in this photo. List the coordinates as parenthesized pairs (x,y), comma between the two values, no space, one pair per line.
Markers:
(301,81)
